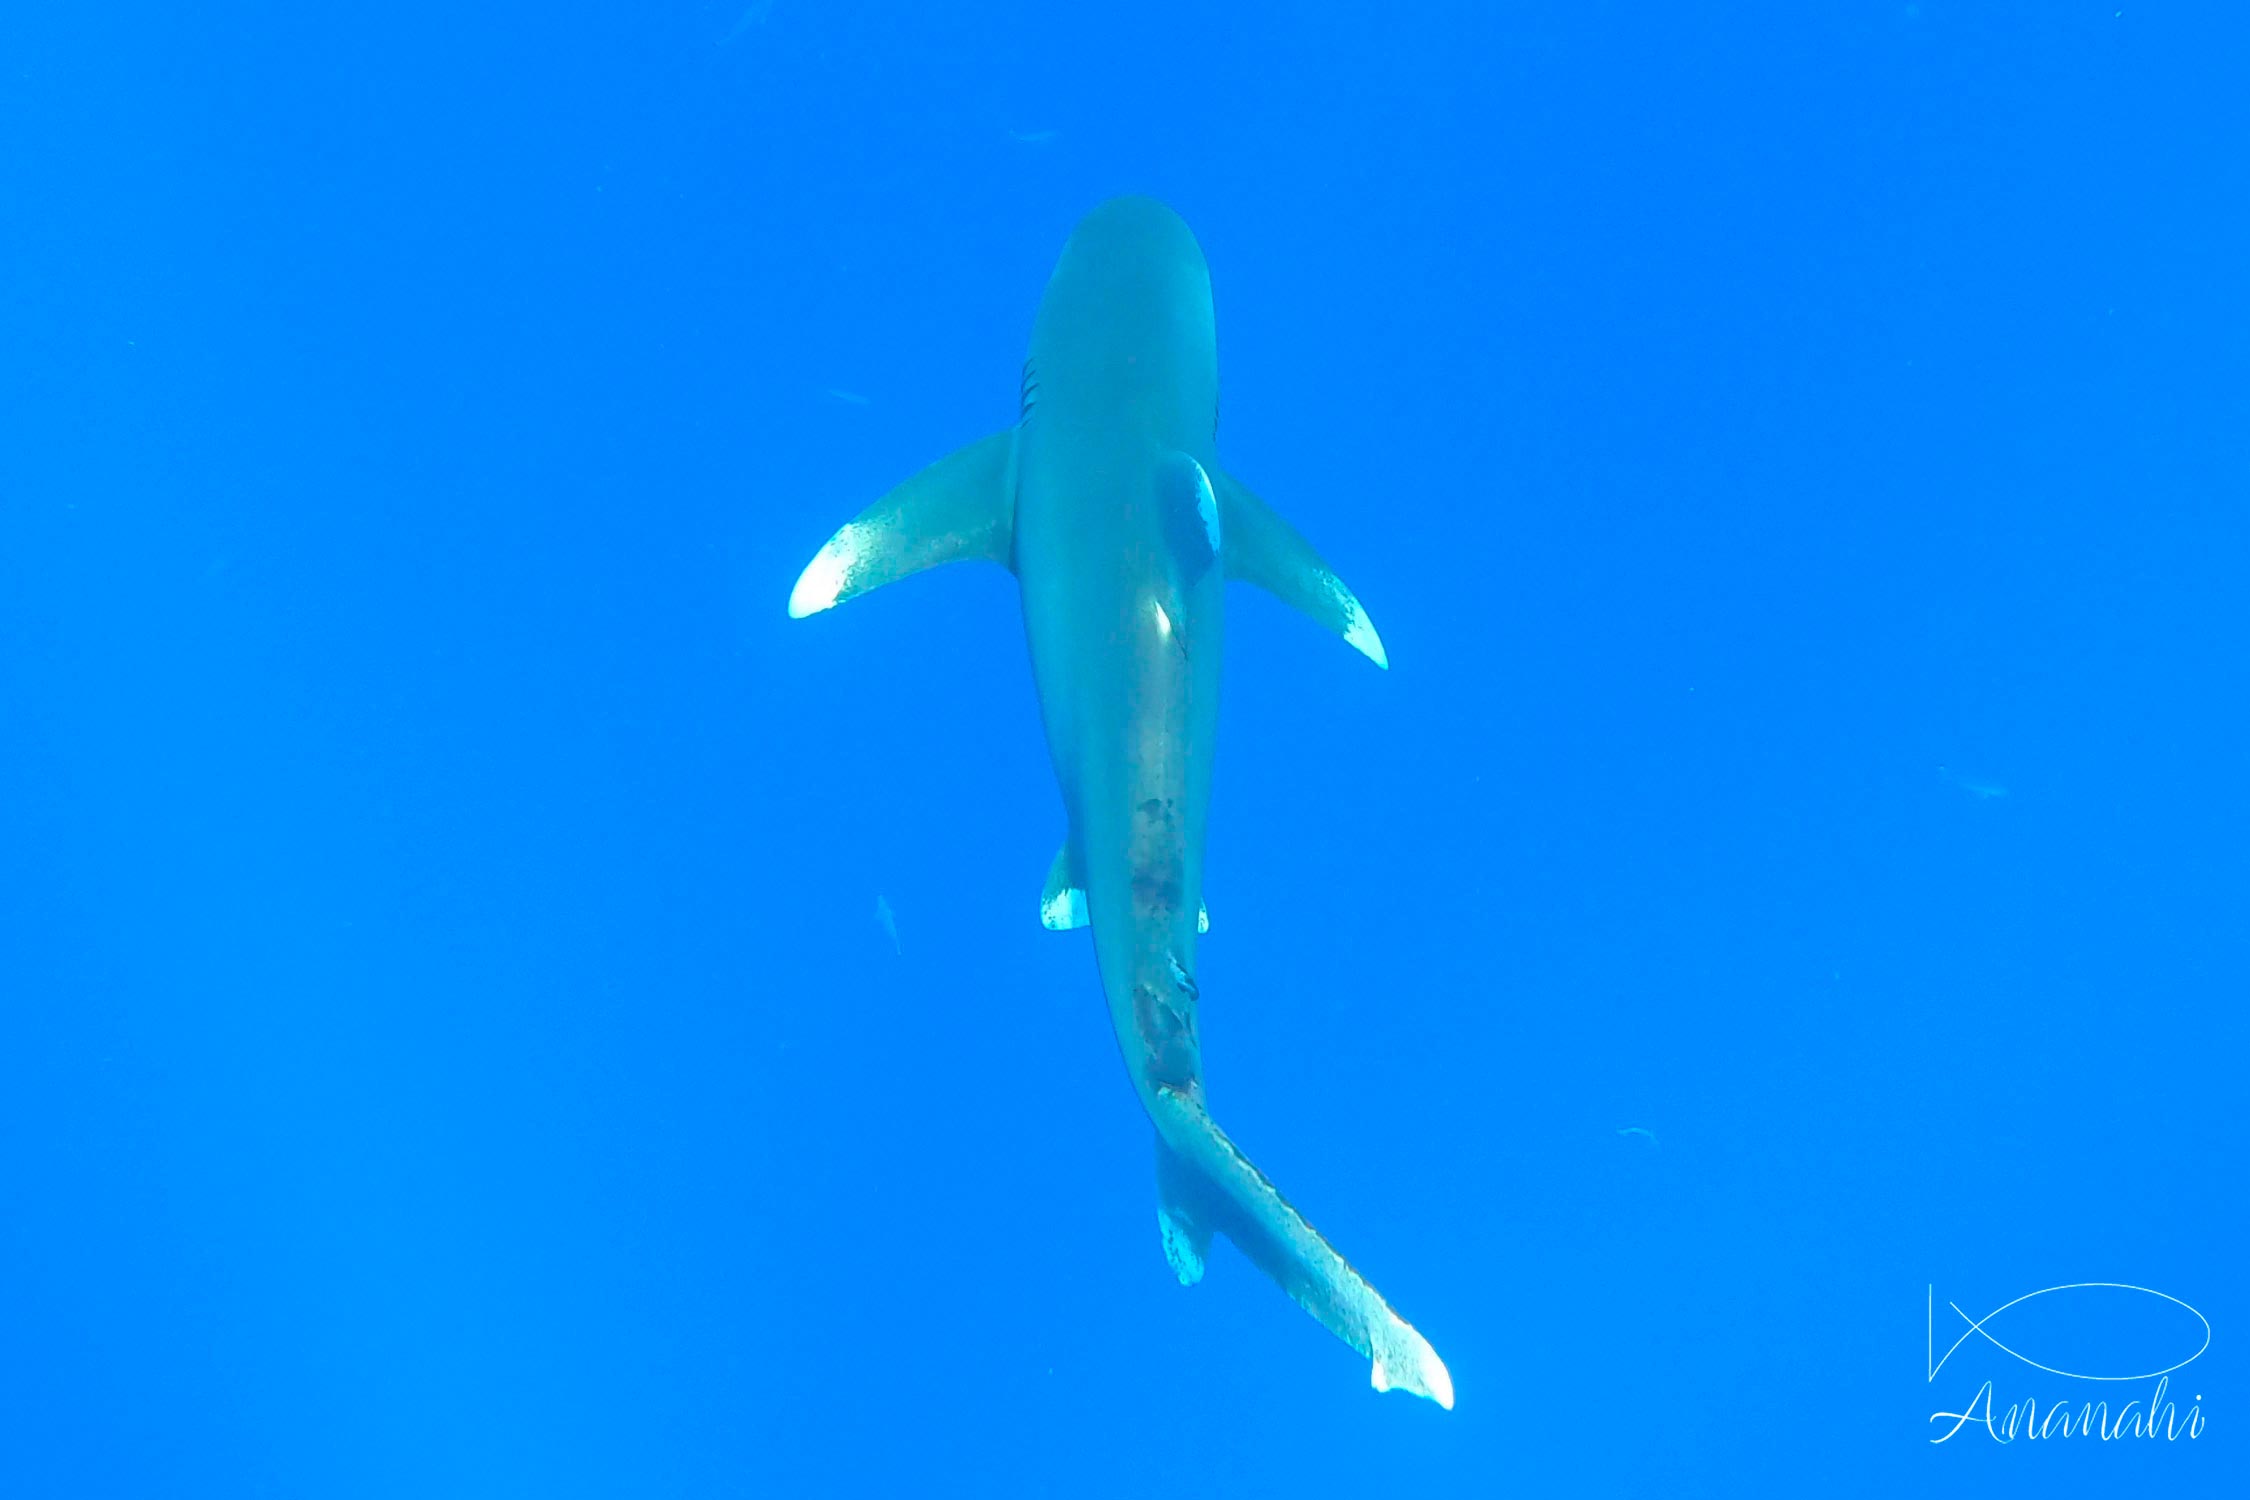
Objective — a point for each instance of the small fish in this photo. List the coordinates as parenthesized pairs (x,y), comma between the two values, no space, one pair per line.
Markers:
(849,398)
(754,16)
(1034,137)
(1641,1130)
(885,919)
(1983,791)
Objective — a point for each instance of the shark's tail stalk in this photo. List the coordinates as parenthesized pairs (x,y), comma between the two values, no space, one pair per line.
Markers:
(1204,1182)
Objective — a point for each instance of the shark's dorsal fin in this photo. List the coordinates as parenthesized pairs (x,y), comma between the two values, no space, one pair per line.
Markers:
(963,506)
(1263,549)
(1189,508)
(1062,904)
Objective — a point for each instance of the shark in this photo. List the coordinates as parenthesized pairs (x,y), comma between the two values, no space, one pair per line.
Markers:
(1106,500)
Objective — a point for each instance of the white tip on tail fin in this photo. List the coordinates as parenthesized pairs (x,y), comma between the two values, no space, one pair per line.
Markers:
(1181,1252)
(1205,1183)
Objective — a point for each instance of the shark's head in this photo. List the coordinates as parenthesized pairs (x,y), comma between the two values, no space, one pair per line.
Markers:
(1139,227)
(1128,311)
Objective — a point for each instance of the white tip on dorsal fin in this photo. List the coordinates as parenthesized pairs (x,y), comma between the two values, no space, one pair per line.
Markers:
(1207,509)
(961,507)
(1265,550)
(1062,905)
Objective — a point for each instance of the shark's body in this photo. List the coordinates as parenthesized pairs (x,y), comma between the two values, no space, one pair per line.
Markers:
(1107,501)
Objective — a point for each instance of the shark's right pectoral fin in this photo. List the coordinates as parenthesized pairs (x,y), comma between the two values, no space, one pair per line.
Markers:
(963,506)
(1263,549)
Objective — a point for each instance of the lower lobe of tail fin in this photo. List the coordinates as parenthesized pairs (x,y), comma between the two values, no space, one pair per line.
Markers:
(1183,1215)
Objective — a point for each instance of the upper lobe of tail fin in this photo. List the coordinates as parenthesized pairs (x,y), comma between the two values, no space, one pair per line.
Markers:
(1206,1183)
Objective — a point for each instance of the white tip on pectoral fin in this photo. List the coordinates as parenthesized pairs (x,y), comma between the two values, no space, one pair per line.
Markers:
(961,507)
(1404,1361)
(824,579)
(1265,550)
(1359,631)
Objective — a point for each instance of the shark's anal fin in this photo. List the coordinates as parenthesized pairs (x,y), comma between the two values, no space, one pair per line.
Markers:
(1263,549)
(1220,1189)
(961,507)
(1062,903)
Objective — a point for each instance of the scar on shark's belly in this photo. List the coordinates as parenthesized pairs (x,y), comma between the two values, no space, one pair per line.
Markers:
(1156,861)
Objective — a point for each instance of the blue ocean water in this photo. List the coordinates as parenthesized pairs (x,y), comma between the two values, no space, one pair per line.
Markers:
(489,1006)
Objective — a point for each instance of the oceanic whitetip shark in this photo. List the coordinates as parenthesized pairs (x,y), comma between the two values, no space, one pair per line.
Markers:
(1106,500)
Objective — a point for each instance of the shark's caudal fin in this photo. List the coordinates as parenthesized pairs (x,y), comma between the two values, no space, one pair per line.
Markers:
(1265,550)
(1183,1224)
(963,506)
(1204,1182)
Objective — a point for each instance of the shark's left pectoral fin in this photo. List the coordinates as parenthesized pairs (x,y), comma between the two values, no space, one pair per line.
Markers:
(1263,549)
(961,507)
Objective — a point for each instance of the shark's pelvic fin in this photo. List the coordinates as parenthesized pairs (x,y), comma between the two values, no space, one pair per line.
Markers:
(1219,1188)
(1265,550)
(963,506)
(1062,904)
